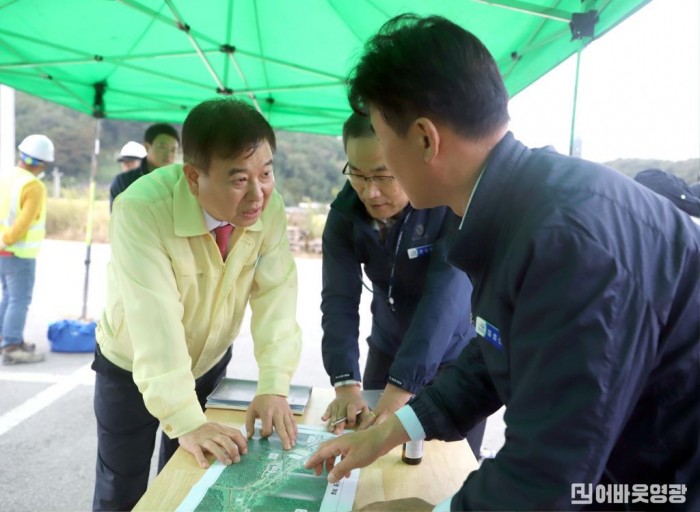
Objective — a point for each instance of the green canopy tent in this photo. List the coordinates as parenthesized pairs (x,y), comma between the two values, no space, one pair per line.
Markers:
(153,60)
(156,59)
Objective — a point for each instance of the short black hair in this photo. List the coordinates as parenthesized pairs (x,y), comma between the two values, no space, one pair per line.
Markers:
(431,67)
(160,128)
(224,128)
(356,126)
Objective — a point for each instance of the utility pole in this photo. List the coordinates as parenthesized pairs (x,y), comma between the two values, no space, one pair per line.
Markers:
(56,173)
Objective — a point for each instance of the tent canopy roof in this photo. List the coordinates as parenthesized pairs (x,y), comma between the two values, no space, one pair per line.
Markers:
(153,60)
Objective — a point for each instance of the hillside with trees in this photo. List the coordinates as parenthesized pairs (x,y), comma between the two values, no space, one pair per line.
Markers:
(687,170)
(307,167)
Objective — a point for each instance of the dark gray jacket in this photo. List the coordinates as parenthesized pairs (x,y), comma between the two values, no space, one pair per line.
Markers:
(587,304)
(123,180)
(431,323)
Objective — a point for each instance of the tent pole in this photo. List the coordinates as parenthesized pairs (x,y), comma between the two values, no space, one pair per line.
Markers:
(582,30)
(98,112)
(91,204)
(573,150)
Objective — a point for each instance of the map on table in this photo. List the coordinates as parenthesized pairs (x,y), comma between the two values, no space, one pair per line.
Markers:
(270,479)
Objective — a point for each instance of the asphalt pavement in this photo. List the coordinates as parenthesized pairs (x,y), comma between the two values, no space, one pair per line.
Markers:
(47,426)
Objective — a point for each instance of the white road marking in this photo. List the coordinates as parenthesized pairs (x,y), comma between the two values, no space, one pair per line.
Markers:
(31,377)
(62,385)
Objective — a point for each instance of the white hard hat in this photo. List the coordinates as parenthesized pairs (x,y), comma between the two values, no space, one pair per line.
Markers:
(38,147)
(132,150)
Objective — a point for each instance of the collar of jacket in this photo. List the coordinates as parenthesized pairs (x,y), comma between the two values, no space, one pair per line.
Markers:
(143,168)
(473,243)
(188,217)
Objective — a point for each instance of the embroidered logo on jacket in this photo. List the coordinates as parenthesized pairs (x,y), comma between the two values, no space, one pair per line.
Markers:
(395,381)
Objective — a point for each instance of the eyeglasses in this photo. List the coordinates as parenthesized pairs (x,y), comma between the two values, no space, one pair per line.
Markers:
(359,180)
(166,147)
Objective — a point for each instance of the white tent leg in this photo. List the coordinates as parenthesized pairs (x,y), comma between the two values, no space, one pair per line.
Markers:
(574,148)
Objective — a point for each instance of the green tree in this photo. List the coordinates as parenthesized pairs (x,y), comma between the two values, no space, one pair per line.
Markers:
(307,167)
(687,170)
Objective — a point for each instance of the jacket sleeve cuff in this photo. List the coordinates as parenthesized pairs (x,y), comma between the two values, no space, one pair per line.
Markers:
(349,382)
(412,386)
(273,382)
(339,379)
(183,421)
(411,423)
(423,411)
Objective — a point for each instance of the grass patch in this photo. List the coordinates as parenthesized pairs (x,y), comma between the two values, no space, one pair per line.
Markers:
(66,219)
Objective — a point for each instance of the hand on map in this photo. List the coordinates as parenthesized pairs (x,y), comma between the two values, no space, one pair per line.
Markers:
(402,505)
(273,411)
(357,449)
(225,443)
(392,399)
(348,404)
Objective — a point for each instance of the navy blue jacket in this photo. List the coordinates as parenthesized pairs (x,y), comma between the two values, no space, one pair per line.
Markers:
(430,326)
(587,303)
(123,180)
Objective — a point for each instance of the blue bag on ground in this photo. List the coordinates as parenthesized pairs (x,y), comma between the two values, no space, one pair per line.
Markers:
(72,336)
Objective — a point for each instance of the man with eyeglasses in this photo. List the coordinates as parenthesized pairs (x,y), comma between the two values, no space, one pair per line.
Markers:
(162,142)
(420,303)
(586,297)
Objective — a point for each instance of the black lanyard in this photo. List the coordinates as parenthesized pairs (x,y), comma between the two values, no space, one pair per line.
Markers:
(389,296)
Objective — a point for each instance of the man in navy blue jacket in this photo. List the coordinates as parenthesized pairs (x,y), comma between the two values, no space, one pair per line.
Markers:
(586,296)
(420,303)
(161,142)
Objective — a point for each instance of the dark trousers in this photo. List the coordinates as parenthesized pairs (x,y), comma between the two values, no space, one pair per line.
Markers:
(376,375)
(126,433)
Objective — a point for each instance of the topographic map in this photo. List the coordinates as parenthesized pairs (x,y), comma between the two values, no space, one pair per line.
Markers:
(270,479)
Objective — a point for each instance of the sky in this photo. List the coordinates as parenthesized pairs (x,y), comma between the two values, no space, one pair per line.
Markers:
(639,91)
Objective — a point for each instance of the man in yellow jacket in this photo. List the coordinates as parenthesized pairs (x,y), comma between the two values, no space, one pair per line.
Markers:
(177,294)
(22,229)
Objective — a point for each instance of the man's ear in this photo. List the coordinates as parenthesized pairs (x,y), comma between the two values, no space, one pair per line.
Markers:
(192,177)
(428,137)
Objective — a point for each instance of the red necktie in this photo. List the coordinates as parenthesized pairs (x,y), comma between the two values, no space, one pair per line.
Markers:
(222,234)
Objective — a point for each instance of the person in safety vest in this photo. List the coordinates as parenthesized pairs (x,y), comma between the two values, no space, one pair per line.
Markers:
(22,228)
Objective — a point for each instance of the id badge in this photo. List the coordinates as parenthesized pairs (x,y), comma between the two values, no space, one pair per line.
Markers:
(417,252)
(489,332)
